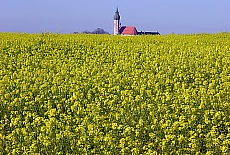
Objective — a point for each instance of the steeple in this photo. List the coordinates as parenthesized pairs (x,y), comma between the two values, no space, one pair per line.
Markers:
(117,16)
(116,22)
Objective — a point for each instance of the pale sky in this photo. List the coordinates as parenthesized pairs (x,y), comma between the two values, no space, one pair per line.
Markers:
(67,16)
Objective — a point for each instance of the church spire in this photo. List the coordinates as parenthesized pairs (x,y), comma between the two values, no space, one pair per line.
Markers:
(117,16)
(116,22)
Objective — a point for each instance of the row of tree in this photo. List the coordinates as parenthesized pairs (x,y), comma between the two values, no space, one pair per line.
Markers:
(97,31)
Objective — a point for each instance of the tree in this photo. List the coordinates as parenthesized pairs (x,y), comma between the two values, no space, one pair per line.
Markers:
(86,32)
(99,31)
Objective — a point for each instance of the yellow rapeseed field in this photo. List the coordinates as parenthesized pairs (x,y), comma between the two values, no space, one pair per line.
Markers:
(104,94)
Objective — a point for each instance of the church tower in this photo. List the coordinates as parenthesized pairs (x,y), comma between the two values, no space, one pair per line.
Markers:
(116,22)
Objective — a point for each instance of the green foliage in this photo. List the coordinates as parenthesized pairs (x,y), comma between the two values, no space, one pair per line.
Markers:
(92,94)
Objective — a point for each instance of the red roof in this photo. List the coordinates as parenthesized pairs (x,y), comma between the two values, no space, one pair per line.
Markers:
(128,30)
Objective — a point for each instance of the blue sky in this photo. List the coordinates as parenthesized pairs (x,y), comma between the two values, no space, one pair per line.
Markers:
(67,16)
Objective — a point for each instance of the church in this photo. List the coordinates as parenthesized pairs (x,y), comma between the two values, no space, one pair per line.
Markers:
(127,30)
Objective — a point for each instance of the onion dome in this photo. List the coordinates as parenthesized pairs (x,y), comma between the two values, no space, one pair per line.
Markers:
(117,16)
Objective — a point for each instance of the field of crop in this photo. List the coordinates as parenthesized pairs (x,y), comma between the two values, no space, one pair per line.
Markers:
(103,94)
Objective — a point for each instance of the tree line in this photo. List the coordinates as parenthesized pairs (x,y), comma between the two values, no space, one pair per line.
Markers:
(96,31)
